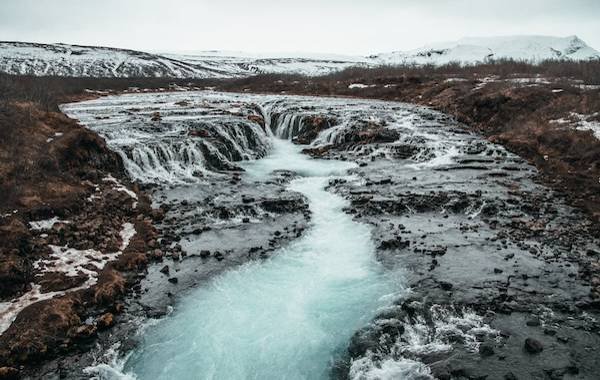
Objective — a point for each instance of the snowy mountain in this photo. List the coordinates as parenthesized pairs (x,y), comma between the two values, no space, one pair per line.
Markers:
(87,61)
(472,50)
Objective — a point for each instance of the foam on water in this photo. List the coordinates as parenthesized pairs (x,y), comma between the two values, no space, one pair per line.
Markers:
(287,318)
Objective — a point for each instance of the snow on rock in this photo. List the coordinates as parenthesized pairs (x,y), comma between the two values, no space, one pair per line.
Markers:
(69,261)
(119,187)
(10,309)
(45,224)
(73,262)
(360,85)
(582,122)
(126,234)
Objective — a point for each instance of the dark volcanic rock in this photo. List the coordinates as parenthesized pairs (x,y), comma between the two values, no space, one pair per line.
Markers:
(533,346)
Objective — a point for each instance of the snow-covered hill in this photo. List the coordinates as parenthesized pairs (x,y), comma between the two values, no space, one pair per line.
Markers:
(248,64)
(87,61)
(472,50)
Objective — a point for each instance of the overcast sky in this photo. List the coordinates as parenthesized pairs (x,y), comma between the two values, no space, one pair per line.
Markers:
(327,26)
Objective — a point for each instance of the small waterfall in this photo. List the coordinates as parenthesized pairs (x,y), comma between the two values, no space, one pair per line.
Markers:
(188,157)
(265,112)
(287,126)
(331,136)
(182,145)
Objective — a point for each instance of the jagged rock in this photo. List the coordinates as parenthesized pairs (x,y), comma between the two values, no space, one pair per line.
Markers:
(486,349)
(84,332)
(105,321)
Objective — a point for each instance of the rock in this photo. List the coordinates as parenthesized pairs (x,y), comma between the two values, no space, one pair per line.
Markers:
(173,280)
(533,322)
(199,133)
(591,252)
(165,270)
(510,376)
(204,253)
(218,255)
(257,119)
(550,332)
(118,307)
(156,116)
(486,349)
(158,214)
(533,346)
(9,373)
(498,270)
(111,284)
(84,332)
(445,285)
(441,370)
(157,254)
(105,321)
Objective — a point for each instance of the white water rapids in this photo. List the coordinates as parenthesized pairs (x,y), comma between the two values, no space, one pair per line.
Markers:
(287,318)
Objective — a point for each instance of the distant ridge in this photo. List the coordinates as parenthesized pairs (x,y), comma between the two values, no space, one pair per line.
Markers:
(480,49)
(94,61)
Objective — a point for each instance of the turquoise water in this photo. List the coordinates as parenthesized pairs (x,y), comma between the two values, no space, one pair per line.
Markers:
(288,317)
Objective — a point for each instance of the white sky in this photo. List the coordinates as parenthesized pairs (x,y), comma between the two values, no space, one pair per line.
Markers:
(326,26)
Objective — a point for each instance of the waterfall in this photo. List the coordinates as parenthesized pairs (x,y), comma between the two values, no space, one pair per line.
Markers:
(182,145)
(288,125)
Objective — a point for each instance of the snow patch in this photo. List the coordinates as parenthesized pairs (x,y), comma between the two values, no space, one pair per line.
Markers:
(119,187)
(10,309)
(69,261)
(581,122)
(46,224)
(361,85)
